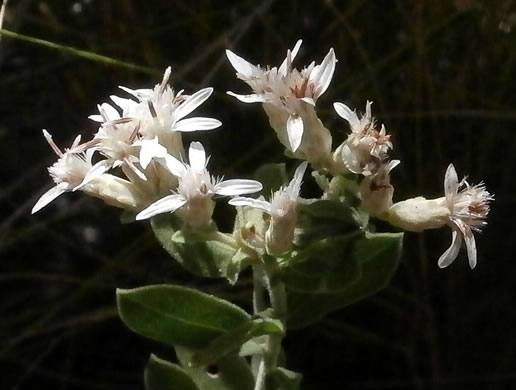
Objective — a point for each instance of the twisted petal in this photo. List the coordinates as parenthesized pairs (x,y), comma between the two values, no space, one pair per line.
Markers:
(95,171)
(469,239)
(294,131)
(251,98)
(242,66)
(451,253)
(256,203)
(297,180)
(345,112)
(193,102)
(167,204)
(50,195)
(322,74)
(451,182)
(197,124)
(287,62)
(237,187)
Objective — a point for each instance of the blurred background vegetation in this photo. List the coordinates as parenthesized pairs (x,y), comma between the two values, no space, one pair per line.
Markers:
(442,77)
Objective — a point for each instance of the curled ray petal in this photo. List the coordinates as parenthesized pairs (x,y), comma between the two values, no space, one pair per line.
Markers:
(297,179)
(241,201)
(451,253)
(244,67)
(251,98)
(346,113)
(173,165)
(150,149)
(110,111)
(96,118)
(95,171)
(321,75)
(391,165)
(50,141)
(368,113)
(290,57)
(167,204)
(135,169)
(294,131)
(308,100)
(237,187)
(49,196)
(123,103)
(471,247)
(192,102)
(197,124)
(451,182)
(197,156)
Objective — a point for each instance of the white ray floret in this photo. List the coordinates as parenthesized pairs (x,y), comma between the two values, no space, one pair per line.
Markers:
(289,97)
(469,207)
(282,209)
(196,188)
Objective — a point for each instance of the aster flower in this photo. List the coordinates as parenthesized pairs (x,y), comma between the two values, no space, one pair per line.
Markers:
(469,207)
(67,172)
(365,149)
(161,113)
(464,208)
(282,209)
(289,97)
(70,171)
(196,189)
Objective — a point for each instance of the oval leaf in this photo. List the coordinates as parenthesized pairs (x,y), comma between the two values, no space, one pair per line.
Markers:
(177,315)
(160,375)
(207,258)
(378,256)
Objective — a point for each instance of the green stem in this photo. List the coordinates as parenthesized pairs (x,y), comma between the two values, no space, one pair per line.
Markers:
(268,361)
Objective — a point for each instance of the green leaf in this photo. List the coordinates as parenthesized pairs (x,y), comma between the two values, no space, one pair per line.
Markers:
(194,251)
(272,176)
(232,341)
(229,373)
(378,256)
(324,218)
(163,375)
(283,379)
(178,315)
(324,267)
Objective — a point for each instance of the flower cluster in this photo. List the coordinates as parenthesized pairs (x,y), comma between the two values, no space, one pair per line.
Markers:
(141,136)
(141,163)
(289,98)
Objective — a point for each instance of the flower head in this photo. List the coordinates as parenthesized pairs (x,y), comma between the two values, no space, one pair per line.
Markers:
(67,172)
(161,113)
(464,208)
(469,207)
(196,189)
(282,209)
(365,149)
(289,97)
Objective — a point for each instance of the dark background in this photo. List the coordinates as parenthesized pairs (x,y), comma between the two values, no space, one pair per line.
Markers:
(442,78)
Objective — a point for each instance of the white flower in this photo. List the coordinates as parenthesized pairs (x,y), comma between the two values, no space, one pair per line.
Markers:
(469,208)
(67,172)
(196,189)
(289,97)
(464,208)
(282,209)
(161,113)
(365,149)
